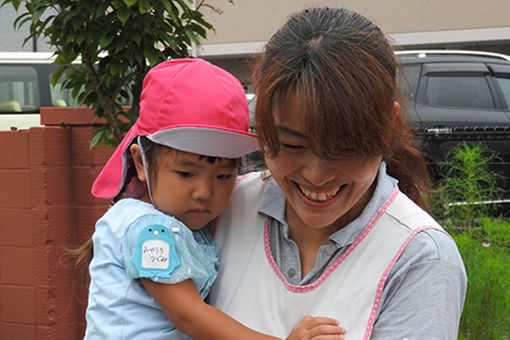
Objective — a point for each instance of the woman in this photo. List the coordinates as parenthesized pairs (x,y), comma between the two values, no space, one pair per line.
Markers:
(337,227)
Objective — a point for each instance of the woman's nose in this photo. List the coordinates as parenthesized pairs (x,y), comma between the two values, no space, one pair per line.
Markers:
(318,171)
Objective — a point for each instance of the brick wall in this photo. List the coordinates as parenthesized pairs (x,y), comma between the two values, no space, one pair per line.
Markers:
(45,208)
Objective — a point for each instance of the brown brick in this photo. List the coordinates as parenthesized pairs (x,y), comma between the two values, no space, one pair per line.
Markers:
(49,146)
(18,304)
(64,331)
(43,306)
(55,304)
(44,332)
(14,149)
(12,331)
(51,208)
(80,328)
(102,154)
(16,227)
(58,116)
(42,267)
(54,266)
(60,226)
(40,223)
(52,225)
(15,186)
(50,185)
(82,179)
(80,147)
(86,218)
(17,266)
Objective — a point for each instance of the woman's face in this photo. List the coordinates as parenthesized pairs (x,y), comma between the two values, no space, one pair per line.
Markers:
(321,194)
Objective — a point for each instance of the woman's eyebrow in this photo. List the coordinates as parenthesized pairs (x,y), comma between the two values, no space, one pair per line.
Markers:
(290,131)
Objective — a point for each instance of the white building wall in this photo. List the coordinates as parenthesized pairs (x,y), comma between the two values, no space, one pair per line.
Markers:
(12,39)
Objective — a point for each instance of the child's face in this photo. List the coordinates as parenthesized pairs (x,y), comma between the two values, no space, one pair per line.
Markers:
(191,188)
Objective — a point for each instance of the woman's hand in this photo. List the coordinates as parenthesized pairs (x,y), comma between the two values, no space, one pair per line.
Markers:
(317,328)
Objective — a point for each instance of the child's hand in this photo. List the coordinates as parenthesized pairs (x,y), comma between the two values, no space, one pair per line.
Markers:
(317,328)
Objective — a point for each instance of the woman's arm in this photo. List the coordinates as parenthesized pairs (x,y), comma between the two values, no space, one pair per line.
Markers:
(191,315)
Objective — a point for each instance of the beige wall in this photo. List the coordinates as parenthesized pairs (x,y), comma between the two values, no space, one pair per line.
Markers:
(256,20)
(244,26)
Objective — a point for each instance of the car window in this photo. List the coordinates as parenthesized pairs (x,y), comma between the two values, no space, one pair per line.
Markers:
(19,89)
(502,76)
(504,85)
(458,91)
(407,80)
(61,96)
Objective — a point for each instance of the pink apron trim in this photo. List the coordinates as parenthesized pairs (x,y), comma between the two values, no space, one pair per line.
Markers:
(240,178)
(337,262)
(382,281)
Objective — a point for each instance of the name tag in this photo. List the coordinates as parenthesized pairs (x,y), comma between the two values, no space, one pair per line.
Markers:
(155,254)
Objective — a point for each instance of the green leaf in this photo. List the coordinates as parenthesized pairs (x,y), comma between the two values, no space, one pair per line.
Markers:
(184,6)
(123,15)
(105,40)
(168,7)
(21,20)
(77,23)
(14,3)
(97,138)
(152,56)
(37,14)
(55,76)
(130,3)
(144,6)
(191,36)
(137,38)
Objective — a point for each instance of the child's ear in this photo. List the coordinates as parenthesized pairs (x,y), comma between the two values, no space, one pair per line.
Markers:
(137,159)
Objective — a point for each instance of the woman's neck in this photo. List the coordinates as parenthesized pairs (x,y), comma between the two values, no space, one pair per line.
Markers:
(309,238)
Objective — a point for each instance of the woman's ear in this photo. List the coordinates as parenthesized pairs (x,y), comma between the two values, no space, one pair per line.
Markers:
(136,155)
(396,109)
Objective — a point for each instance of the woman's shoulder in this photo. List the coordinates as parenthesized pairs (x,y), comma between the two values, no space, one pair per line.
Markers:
(434,245)
(252,177)
(249,187)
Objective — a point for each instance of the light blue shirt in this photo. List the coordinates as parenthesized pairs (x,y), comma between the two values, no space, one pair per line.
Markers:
(119,307)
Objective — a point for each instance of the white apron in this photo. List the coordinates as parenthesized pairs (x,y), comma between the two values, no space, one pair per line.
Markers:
(251,289)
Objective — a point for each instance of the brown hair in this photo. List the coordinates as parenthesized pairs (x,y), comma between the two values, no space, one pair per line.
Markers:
(342,68)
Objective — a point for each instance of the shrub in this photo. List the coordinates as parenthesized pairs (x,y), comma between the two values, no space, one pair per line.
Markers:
(467,186)
(483,242)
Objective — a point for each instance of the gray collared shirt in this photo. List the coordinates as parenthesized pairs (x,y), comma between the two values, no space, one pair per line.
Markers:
(424,293)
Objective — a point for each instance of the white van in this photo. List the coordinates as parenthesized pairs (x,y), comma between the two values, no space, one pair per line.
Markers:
(25,86)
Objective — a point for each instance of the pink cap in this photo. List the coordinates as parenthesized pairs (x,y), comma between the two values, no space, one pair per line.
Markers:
(189,105)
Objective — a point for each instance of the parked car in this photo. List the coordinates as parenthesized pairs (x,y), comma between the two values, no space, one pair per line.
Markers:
(453,96)
(25,86)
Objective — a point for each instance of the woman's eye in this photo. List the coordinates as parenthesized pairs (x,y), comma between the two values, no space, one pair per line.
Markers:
(184,174)
(292,147)
(224,177)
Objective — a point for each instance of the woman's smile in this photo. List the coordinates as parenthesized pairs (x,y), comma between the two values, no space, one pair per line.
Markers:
(320,195)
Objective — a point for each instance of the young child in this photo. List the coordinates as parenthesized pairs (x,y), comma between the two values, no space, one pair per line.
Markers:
(173,174)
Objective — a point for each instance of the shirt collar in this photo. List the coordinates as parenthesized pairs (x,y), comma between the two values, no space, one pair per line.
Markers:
(273,205)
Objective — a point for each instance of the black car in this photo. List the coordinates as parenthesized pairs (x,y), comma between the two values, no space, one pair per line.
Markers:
(455,96)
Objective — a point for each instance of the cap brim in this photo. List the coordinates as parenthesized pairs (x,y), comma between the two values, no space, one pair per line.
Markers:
(207,141)
(111,179)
